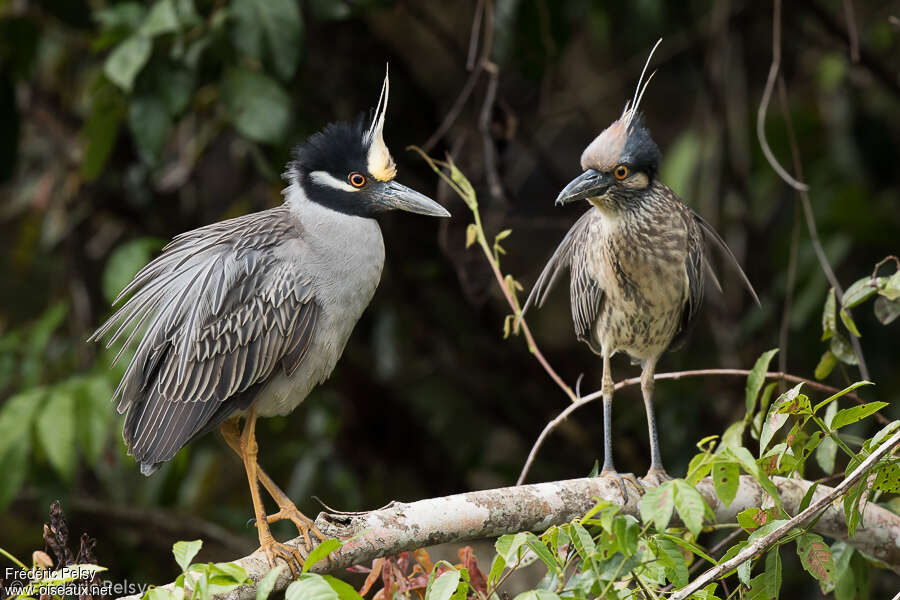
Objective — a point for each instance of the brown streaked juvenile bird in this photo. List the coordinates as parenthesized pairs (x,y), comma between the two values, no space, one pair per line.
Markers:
(243,318)
(637,261)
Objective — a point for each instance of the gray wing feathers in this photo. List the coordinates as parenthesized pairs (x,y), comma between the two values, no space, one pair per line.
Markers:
(587,295)
(221,309)
(559,262)
(713,235)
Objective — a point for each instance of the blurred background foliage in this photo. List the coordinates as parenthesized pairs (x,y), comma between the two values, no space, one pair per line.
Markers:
(125,123)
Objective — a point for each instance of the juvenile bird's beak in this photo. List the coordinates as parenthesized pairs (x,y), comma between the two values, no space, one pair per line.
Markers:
(589,184)
(395,196)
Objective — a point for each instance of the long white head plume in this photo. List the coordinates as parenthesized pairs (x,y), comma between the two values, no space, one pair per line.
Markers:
(380,163)
(631,108)
(603,153)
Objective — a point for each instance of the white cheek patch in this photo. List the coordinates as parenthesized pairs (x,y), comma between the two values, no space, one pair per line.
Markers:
(379,161)
(328,180)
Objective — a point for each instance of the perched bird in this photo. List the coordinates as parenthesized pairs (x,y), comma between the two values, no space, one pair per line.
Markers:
(637,261)
(242,318)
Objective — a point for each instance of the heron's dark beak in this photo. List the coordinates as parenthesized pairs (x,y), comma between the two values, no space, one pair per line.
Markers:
(589,184)
(395,196)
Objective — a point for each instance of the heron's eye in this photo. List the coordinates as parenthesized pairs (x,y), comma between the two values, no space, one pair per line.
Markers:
(357,180)
(621,172)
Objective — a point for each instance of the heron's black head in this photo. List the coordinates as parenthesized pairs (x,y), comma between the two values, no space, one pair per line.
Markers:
(348,167)
(621,162)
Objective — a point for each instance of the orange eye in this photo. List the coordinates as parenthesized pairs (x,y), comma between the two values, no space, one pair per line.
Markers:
(357,180)
(621,172)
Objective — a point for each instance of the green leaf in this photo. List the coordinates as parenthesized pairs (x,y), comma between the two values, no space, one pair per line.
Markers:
(100,130)
(889,287)
(123,14)
(16,417)
(258,107)
(94,415)
(807,497)
(845,584)
(776,417)
(749,464)
(773,574)
(672,558)
(507,546)
(543,553)
(14,461)
(887,478)
(882,434)
(853,414)
(320,553)
(127,59)
(656,505)
(886,311)
(751,519)
(726,478)
(443,587)
(161,19)
(829,316)
(471,234)
(690,506)
(124,263)
(860,291)
(537,595)
(56,431)
(584,543)
(756,378)
(842,350)
(310,586)
(185,552)
(849,323)
(825,366)
(267,583)
(733,436)
(817,560)
(269,29)
(344,590)
(150,125)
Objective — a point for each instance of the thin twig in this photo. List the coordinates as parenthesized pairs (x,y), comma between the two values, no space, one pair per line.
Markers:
(767,96)
(761,544)
(811,225)
(495,186)
(475,34)
(437,165)
(455,110)
(851,30)
(562,416)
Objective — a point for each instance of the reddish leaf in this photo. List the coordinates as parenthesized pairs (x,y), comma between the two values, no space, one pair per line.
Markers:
(477,579)
(372,577)
(752,519)
(816,558)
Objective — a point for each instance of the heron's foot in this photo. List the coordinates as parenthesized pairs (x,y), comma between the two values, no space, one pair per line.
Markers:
(621,478)
(656,476)
(304,524)
(275,551)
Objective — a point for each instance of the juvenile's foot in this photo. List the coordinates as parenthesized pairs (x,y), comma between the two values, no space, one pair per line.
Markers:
(621,479)
(655,477)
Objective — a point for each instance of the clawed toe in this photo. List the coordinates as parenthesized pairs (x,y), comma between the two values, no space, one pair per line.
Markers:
(289,554)
(304,524)
(621,479)
(655,477)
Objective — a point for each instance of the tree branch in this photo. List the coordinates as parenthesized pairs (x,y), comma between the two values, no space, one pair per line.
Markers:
(401,526)
(821,502)
(582,400)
